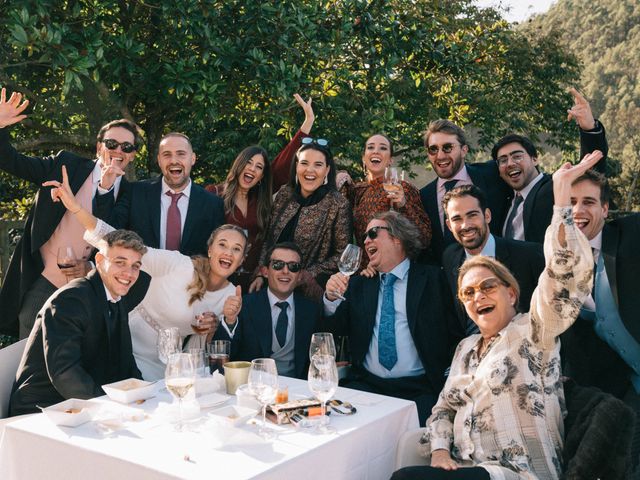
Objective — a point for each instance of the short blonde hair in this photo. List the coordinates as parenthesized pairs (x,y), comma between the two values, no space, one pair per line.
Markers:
(497,268)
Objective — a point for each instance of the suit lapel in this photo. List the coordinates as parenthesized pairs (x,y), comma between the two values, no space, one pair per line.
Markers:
(263,323)
(415,287)
(371,289)
(609,250)
(431,207)
(154,202)
(303,331)
(502,251)
(192,214)
(527,209)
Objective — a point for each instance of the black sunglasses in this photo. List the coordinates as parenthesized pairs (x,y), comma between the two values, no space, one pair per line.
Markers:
(317,141)
(372,233)
(294,267)
(446,148)
(112,144)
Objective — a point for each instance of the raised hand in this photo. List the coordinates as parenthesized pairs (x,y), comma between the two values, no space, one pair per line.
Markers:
(232,306)
(581,111)
(567,174)
(336,286)
(109,173)
(61,191)
(11,110)
(309,116)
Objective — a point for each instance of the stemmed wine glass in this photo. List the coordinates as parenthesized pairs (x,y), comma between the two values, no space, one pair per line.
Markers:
(349,262)
(199,324)
(180,377)
(66,259)
(168,343)
(263,384)
(391,182)
(322,343)
(323,382)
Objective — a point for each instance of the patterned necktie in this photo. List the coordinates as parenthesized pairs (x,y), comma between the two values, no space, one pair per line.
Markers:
(282,323)
(387,353)
(510,230)
(174,223)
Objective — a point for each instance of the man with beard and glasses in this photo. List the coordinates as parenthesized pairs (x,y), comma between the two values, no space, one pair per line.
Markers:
(33,274)
(170,211)
(468,219)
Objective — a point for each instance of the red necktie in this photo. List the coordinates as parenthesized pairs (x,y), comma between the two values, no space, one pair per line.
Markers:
(174,225)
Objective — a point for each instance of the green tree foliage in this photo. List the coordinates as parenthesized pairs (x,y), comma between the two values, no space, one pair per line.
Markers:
(605,36)
(223,71)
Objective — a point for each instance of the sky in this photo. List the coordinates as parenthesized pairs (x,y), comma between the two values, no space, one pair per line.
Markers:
(520,9)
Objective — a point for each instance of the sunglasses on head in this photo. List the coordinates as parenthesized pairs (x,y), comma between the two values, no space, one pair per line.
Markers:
(112,144)
(487,287)
(294,267)
(446,148)
(315,141)
(372,233)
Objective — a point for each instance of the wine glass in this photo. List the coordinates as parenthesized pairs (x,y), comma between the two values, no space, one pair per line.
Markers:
(66,259)
(201,323)
(391,182)
(169,342)
(218,353)
(263,384)
(179,378)
(349,262)
(323,383)
(322,343)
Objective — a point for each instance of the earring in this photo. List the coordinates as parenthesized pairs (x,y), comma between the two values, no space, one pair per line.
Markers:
(296,178)
(326,180)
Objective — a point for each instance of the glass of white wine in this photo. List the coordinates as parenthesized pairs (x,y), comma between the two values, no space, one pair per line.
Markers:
(263,384)
(179,379)
(391,182)
(349,262)
(323,383)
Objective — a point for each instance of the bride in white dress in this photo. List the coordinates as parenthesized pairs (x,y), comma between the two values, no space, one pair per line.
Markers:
(181,286)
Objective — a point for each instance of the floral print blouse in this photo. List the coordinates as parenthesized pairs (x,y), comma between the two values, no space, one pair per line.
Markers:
(504,412)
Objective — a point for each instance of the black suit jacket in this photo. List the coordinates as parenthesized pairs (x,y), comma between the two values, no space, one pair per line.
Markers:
(432,323)
(254,334)
(587,358)
(538,206)
(45,215)
(138,209)
(484,176)
(69,349)
(525,260)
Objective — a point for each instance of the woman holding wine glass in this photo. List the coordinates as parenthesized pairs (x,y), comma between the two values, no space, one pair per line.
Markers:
(370,196)
(179,284)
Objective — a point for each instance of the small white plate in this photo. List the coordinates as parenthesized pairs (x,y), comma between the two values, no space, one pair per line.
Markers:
(212,400)
(70,413)
(233,415)
(130,390)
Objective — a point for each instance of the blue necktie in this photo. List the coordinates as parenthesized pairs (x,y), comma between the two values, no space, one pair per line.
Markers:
(282,323)
(387,354)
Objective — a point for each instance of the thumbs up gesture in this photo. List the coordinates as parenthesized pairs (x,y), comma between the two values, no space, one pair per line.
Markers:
(232,306)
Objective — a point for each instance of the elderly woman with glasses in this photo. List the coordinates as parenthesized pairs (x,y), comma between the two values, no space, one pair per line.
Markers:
(247,190)
(500,413)
(310,212)
(370,197)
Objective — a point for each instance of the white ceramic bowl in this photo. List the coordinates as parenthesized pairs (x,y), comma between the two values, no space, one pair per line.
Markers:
(70,413)
(233,415)
(130,390)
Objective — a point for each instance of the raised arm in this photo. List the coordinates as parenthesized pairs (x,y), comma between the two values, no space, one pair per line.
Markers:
(11,110)
(61,192)
(592,132)
(567,279)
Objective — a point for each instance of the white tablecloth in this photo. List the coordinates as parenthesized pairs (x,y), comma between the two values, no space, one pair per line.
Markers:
(363,448)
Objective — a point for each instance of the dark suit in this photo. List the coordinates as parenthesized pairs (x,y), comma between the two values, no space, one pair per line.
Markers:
(254,334)
(538,206)
(432,323)
(587,358)
(484,176)
(26,263)
(70,352)
(525,260)
(138,209)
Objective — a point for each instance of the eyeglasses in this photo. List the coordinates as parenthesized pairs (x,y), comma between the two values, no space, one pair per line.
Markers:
(294,267)
(517,157)
(315,141)
(372,233)
(112,144)
(446,148)
(487,287)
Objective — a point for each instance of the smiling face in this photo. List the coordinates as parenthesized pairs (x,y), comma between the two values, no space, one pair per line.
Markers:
(117,156)
(446,165)
(282,282)
(175,159)
(252,172)
(589,213)
(385,251)
(311,170)
(468,224)
(493,311)
(119,269)
(376,156)
(226,252)
(517,168)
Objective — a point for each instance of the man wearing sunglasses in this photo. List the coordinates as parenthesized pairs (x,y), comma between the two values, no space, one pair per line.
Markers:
(468,218)
(33,273)
(401,326)
(275,322)
(170,211)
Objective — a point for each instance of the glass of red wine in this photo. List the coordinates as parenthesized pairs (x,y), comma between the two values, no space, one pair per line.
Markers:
(66,259)
(201,323)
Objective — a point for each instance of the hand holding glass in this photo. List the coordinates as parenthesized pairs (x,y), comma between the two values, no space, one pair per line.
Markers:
(66,259)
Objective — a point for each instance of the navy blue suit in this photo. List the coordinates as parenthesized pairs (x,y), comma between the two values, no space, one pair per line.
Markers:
(138,209)
(254,334)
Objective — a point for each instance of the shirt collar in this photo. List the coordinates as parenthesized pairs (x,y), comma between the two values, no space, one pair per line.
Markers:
(186,192)
(273,299)
(110,298)
(97,170)
(596,242)
(401,270)
(462,175)
(525,191)
(489,249)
